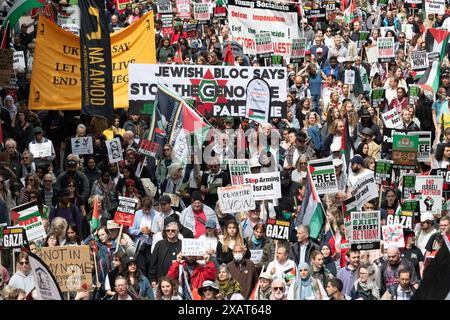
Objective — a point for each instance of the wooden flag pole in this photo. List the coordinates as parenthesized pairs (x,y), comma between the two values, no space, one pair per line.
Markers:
(119,238)
(95,266)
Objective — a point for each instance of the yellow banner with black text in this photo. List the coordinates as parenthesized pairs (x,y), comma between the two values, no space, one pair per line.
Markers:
(56,76)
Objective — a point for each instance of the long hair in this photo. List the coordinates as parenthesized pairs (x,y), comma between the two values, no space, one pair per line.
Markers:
(172,282)
(332,130)
(226,237)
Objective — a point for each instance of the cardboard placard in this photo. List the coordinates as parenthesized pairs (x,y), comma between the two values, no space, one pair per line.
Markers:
(234,199)
(419,60)
(71,266)
(41,150)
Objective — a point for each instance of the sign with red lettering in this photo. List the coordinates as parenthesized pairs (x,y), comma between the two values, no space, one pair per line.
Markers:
(366,230)
(248,18)
(385,48)
(430,188)
(125,211)
(28,216)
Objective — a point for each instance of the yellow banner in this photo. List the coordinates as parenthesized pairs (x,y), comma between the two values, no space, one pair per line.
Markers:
(56,76)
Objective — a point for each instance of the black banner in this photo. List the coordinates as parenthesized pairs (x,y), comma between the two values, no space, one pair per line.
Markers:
(96,70)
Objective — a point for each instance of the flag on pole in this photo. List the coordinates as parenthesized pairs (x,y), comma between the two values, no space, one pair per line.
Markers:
(436,40)
(95,221)
(183,288)
(346,146)
(19,8)
(6,37)
(430,80)
(228,60)
(348,9)
(311,212)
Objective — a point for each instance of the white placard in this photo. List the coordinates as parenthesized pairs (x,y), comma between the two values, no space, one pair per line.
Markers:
(41,150)
(82,145)
(236,198)
(256,256)
(193,247)
(392,120)
(115,153)
(349,77)
(266,186)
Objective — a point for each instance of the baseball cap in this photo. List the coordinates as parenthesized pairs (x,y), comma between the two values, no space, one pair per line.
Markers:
(319,50)
(38,130)
(357,159)
(367,131)
(426,216)
(307,52)
(337,162)
(266,276)
(210,224)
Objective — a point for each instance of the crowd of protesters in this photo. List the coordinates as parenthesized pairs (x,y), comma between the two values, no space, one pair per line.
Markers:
(320,108)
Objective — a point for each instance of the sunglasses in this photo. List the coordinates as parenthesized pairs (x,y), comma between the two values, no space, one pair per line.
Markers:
(47,180)
(171,230)
(166,149)
(209,289)
(23,263)
(278,288)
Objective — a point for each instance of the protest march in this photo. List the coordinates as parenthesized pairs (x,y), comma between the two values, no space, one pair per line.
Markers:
(224,150)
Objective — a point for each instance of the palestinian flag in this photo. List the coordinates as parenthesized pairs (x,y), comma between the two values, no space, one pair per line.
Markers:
(19,8)
(289,274)
(28,216)
(430,79)
(189,125)
(348,9)
(257,115)
(6,40)
(183,285)
(436,40)
(311,212)
(417,75)
(228,60)
(95,221)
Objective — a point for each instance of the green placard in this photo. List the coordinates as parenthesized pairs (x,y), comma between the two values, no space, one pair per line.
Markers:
(405,143)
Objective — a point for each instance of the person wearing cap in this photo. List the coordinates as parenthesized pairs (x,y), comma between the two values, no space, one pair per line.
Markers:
(358,85)
(425,230)
(138,283)
(264,289)
(195,216)
(319,47)
(209,290)
(125,240)
(253,218)
(73,174)
(367,122)
(37,143)
(367,136)
(243,270)
(68,211)
(341,175)
(356,164)
(165,207)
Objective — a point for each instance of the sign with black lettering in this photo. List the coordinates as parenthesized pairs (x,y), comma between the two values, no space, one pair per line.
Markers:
(14,237)
(391,119)
(430,187)
(419,60)
(234,199)
(164,6)
(82,145)
(385,49)
(383,172)
(408,185)
(266,186)
(444,173)
(414,4)
(366,230)
(263,43)
(365,189)
(277,229)
(114,147)
(424,147)
(219,91)
(298,49)
(323,175)
(378,98)
(125,211)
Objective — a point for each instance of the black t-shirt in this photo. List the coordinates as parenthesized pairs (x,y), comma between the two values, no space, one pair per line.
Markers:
(171,255)
(414,255)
